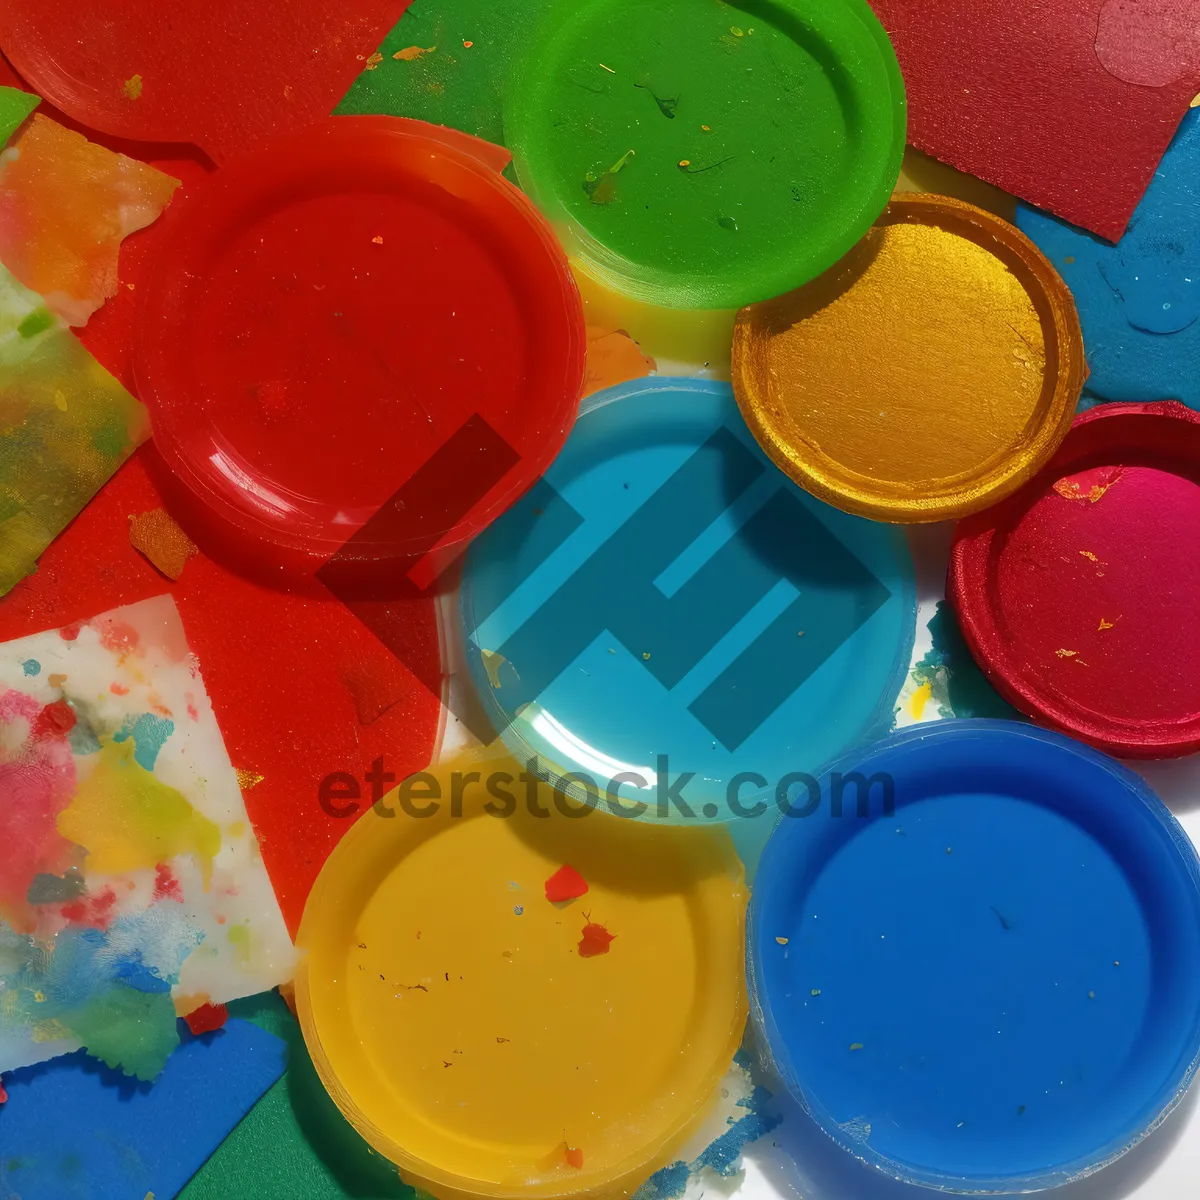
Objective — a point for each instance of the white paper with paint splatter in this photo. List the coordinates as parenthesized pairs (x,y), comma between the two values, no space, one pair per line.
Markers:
(131,885)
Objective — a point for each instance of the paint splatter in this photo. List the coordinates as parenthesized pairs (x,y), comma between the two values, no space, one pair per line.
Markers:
(248,779)
(519,909)
(956,684)
(412,53)
(565,884)
(373,61)
(96,910)
(149,734)
(166,886)
(158,538)
(127,819)
(31,666)
(574,1157)
(133,87)
(595,940)
(602,188)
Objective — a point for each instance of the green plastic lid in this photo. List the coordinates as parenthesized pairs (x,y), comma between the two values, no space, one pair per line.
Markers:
(15,106)
(704,154)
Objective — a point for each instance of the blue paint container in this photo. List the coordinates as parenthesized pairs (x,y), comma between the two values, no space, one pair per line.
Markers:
(990,982)
(671,627)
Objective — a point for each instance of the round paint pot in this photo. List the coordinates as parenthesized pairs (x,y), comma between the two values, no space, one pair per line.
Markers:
(362,331)
(670,627)
(1078,595)
(492,1043)
(928,375)
(987,980)
(708,155)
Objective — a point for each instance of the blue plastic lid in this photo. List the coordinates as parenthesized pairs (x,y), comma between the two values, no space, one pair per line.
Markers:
(995,985)
(666,605)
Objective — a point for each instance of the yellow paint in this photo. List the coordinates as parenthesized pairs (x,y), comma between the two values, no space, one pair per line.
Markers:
(920,698)
(933,371)
(239,939)
(127,819)
(1066,653)
(133,87)
(467,1043)
(248,779)
(492,662)
(1106,625)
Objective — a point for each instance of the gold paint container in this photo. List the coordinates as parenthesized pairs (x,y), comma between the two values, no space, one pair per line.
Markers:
(926,376)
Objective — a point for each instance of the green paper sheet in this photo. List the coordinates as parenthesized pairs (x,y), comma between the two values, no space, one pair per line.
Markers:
(294,1142)
(442,79)
(15,106)
(65,426)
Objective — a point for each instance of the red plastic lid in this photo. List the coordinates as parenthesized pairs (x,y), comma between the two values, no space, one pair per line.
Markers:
(1078,594)
(334,310)
(216,73)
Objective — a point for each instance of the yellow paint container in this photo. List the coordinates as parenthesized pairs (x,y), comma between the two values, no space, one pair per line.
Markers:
(928,375)
(454,1020)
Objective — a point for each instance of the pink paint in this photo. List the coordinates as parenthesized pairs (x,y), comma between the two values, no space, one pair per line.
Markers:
(16,705)
(36,786)
(69,633)
(118,689)
(1150,43)
(166,886)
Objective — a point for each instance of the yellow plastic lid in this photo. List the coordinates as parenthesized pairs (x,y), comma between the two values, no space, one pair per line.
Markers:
(473,1032)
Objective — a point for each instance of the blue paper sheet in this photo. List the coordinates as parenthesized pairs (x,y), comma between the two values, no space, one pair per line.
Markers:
(73,1129)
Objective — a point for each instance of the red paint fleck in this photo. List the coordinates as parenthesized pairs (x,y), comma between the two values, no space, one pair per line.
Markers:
(3,1094)
(96,911)
(596,940)
(565,884)
(118,689)
(206,1018)
(55,720)
(575,1157)
(69,633)
(192,711)
(166,886)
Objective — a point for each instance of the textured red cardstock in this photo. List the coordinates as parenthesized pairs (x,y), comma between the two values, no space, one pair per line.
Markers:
(1069,104)
(215,73)
(301,688)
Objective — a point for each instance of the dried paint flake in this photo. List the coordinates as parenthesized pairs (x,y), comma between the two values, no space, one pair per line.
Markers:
(206,1018)
(595,940)
(1106,625)
(574,1157)
(133,87)
(782,941)
(374,60)
(856,1045)
(1072,489)
(248,779)
(158,538)
(411,53)
(1066,653)
(565,884)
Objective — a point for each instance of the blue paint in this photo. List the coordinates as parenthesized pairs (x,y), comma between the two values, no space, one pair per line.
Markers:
(724,1155)
(1139,300)
(666,602)
(72,1128)
(149,733)
(31,666)
(668,1184)
(970,1008)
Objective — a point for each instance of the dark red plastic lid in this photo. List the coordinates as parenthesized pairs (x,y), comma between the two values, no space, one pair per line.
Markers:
(1078,594)
(331,311)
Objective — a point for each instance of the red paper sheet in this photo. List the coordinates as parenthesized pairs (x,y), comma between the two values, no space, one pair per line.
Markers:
(1069,104)
(300,687)
(215,73)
